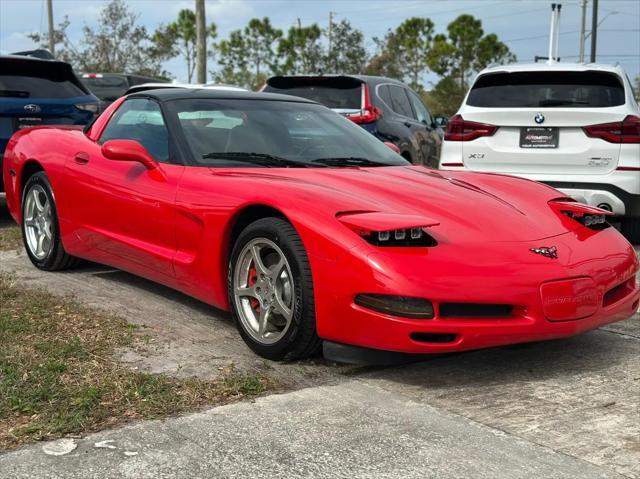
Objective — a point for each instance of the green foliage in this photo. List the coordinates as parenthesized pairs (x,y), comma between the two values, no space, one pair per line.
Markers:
(301,51)
(119,44)
(347,54)
(445,97)
(403,52)
(179,38)
(466,50)
(248,54)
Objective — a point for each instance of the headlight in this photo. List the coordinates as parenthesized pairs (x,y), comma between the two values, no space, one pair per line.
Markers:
(403,306)
(399,237)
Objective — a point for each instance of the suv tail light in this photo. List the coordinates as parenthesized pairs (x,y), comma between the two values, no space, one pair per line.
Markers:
(368,113)
(625,131)
(459,129)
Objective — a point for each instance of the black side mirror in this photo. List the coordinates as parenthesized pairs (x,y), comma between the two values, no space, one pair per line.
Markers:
(441,121)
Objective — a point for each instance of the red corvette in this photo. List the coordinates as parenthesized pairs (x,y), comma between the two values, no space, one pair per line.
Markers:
(310,229)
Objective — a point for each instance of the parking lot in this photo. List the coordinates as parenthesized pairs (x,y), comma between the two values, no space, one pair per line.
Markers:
(565,408)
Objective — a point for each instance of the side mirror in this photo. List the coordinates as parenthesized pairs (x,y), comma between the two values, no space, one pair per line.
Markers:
(441,121)
(392,146)
(128,150)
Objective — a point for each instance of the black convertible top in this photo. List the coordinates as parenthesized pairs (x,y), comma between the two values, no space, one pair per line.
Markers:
(168,94)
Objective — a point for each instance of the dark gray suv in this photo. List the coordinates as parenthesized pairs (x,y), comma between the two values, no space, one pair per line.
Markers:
(386,108)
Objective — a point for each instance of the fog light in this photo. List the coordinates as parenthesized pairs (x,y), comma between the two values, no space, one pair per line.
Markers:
(403,306)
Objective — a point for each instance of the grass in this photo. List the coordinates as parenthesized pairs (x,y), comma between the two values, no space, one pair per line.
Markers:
(57,375)
(10,238)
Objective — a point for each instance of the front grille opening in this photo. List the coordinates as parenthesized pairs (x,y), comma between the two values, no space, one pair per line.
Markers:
(619,292)
(475,310)
(433,337)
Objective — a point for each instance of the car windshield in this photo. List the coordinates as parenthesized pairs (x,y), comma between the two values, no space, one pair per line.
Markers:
(267,133)
(107,88)
(585,89)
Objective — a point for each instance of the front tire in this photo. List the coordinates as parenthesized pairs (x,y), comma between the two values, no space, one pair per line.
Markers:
(40,227)
(271,291)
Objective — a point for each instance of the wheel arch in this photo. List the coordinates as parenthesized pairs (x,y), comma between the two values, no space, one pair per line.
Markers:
(243,217)
(29,168)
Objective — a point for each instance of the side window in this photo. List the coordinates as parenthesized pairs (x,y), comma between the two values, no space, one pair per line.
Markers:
(422,113)
(383,93)
(140,119)
(399,101)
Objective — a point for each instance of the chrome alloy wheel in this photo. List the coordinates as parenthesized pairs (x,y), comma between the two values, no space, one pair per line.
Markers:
(37,222)
(263,291)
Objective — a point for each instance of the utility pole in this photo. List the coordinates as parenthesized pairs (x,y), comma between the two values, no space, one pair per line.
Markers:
(594,30)
(52,40)
(201,43)
(331,36)
(583,5)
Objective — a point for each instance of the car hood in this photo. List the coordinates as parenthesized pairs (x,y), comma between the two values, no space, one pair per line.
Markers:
(468,207)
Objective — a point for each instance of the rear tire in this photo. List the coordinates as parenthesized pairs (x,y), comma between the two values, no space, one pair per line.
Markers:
(271,291)
(631,229)
(40,227)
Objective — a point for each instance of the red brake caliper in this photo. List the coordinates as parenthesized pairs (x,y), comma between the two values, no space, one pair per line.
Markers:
(253,277)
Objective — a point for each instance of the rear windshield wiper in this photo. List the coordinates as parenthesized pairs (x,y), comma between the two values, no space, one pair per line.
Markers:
(15,93)
(347,161)
(560,102)
(261,159)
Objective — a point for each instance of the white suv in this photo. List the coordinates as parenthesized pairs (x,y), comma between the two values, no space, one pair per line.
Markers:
(575,127)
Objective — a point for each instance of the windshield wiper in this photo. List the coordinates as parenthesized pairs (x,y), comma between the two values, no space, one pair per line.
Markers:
(261,159)
(560,102)
(347,161)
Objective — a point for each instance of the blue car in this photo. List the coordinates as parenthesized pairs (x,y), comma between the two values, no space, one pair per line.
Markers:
(35,91)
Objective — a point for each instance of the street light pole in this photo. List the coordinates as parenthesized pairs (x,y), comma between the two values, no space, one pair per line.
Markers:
(201,43)
(583,5)
(52,41)
(594,30)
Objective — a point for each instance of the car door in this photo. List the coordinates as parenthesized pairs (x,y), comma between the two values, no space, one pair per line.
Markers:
(401,105)
(125,213)
(431,141)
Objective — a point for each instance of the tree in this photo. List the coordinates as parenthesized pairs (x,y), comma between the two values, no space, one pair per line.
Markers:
(64,51)
(445,97)
(179,38)
(385,61)
(260,38)
(466,50)
(301,51)
(248,55)
(119,44)
(403,52)
(347,53)
(233,58)
(414,40)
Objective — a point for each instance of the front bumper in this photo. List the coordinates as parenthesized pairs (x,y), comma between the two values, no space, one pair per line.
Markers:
(500,273)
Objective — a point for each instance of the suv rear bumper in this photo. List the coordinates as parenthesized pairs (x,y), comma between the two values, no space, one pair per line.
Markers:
(621,202)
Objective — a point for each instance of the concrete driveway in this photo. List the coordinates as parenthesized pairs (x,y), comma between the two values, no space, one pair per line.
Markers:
(562,409)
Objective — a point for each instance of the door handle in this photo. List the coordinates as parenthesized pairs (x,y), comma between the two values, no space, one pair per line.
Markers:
(81,158)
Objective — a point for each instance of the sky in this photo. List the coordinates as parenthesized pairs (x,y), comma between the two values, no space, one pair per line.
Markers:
(522,24)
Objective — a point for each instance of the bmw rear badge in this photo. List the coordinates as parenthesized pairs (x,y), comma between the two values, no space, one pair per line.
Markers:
(539,118)
(548,251)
